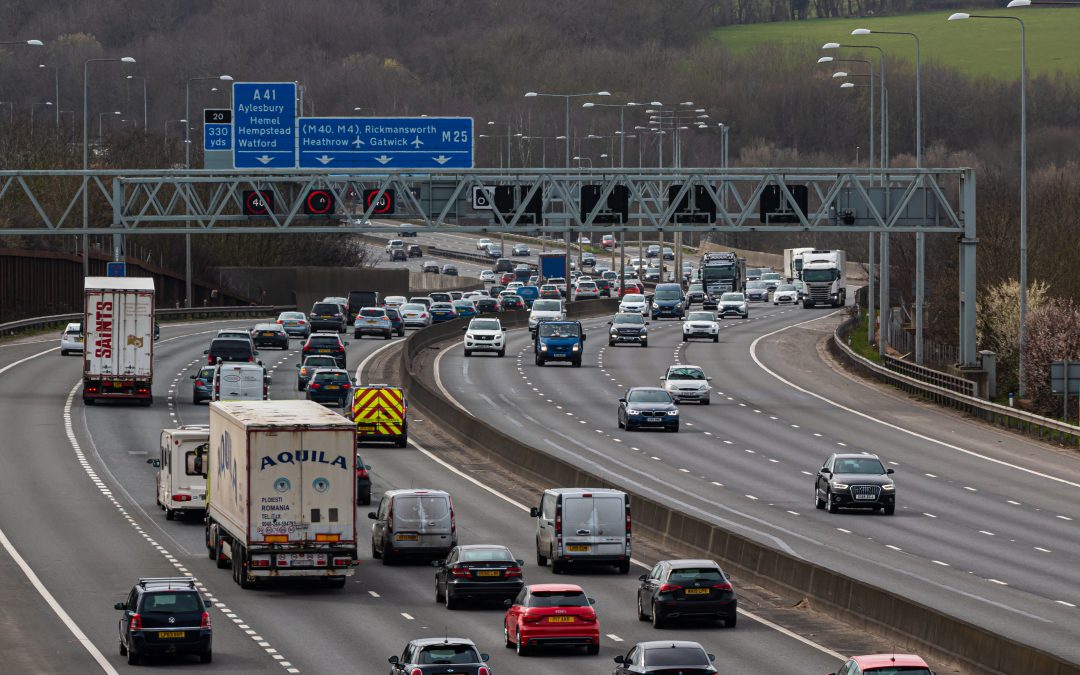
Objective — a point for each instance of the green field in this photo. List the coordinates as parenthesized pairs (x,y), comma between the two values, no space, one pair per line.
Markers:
(975,46)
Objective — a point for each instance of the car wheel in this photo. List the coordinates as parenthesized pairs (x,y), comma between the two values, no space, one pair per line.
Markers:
(657,621)
(356,336)
(439,595)
(123,649)
(539,361)
(592,650)
(206,657)
(468,353)
(819,503)
(576,364)
(387,335)
(403,441)
(706,401)
(448,598)
(716,338)
(387,557)
(641,615)
(891,509)
(610,343)
(829,503)
(685,339)
(674,429)
(502,352)
(775,304)
(621,425)
(133,658)
(624,567)
(63,352)
(170,514)
(506,637)
(522,650)
(375,553)
(541,560)
(729,621)
(644,343)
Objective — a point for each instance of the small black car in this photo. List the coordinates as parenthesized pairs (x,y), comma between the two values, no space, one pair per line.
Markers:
(230,349)
(686,589)
(165,616)
(450,270)
(270,335)
(434,655)
(305,370)
(854,480)
(396,321)
(330,385)
(477,572)
(414,251)
(327,316)
(325,343)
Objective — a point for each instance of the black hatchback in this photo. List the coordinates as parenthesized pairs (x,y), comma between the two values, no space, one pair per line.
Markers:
(440,655)
(325,343)
(477,572)
(165,616)
(686,589)
(270,335)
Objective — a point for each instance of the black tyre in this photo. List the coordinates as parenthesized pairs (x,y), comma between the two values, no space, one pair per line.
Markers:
(133,658)
(577,364)
(539,361)
(592,650)
(502,353)
(88,401)
(123,649)
(170,514)
(219,554)
(522,650)
(403,441)
(657,620)
(819,503)
(63,352)
(829,503)
(375,553)
(468,353)
(644,343)
(206,657)
(439,596)
(541,560)
(716,338)
(641,615)
(450,600)
(674,429)
(889,510)
(610,343)
(624,567)
(730,621)
(706,401)
(685,339)
(506,637)
(356,336)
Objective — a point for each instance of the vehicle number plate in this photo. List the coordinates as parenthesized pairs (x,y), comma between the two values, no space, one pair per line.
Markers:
(333,386)
(560,619)
(324,351)
(79,339)
(172,634)
(117,385)
(365,428)
(864,496)
(268,333)
(407,537)
(654,419)
(695,591)
(488,573)
(577,548)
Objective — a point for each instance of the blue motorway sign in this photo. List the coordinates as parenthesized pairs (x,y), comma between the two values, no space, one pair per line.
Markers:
(264,125)
(390,143)
(217,137)
(116,269)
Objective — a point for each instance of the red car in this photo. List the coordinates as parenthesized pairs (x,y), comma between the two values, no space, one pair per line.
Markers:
(903,664)
(506,278)
(551,614)
(631,287)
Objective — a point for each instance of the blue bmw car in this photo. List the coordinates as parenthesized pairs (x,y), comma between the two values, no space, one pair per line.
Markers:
(644,407)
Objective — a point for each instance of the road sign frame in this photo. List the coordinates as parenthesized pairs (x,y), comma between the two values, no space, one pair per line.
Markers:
(283,154)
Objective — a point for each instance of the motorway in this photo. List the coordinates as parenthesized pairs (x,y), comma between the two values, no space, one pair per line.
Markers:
(78,515)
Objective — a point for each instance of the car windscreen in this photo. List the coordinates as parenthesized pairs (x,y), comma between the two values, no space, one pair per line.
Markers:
(445,654)
(332,378)
(559,330)
(859,465)
(685,374)
(701,316)
(485,554)
(324,342)
(170,602)
(325,308)
(668,295)
(676,656)
(633,297)
(629,318)
(485,324)
(732,297)
(410,510)
(558,599)
(897,670)
(649,396)
(547,306)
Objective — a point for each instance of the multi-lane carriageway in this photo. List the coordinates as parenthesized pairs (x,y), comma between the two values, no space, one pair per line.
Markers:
(985,527)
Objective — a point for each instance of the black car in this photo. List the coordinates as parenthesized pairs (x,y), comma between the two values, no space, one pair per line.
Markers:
(488,306)
(628,327)
(165,616)
(230,349)
(202,389)
(430,266)
(440,655)
(450,270)
(270,335)
(854,480)
(588,260)
(686,589)
(694,295)
(325,343)
(396,321)
(648,407)
(327,316)
(666,656)
(363,482)
(399,254)
(520,250)
(414,251)
(477,572)
(330,385)
(604,286)
(305,370)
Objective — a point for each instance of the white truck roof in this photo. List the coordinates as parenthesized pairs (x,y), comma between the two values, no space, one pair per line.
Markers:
(286,413)
(119,283)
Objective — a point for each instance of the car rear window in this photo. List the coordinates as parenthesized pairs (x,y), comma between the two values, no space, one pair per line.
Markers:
(230,347)
(413,307)
(325,308)
(676,656)
(373,312)
(696,573)
(171,601)
(558,599)
(484,554)
(448,655)
(547,305)
(331,377)
(414,509)
(324,342)
(319,361)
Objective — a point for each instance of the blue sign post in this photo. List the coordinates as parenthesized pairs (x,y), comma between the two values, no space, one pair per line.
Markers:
(217,137)
(264,125)
(388,143)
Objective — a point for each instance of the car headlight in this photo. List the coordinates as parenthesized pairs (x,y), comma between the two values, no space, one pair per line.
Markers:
(631,411)
(577,347)
(888,487)
(838,486)
(613,331)
(673,412)
(703,386)
(543,348)
(655,306)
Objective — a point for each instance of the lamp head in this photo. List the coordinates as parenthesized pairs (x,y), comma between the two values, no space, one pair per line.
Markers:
(560,138)
(603,93)
(227,78)
(825,59)
(861,31)
(847,85)
(839,73)
(831,45)
(656,103)
(35,43)
(530,94)
(959,16)
(128,59)
(1018,3)
(588,104)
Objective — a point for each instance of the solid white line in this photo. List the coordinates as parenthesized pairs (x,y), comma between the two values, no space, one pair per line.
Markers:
(360,368)
(438,378)
(923,437)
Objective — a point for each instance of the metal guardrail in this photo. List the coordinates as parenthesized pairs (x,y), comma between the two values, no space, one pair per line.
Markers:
(1045,428)
(14,327)
(931,376)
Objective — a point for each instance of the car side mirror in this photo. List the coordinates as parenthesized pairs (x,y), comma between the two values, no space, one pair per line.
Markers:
(206,351)
(393,660)
(257,353)
(712,657)
(485,657)
(619,659)
(155,462)
(534,512)
(508,603)
(192,377)
(592,601)
(709,378)
(889,471)
(372,515)
(345,344)
(643,577)
(825,471)
(520,562)
(622,400)
(584,337)
(438,563)
(120,605)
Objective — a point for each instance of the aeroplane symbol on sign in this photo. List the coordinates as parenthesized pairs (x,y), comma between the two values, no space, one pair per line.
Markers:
(417,143)
(358,142)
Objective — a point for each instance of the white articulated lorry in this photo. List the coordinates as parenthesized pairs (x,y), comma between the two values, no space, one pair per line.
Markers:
(825,276)
(118,352)
(793,262)
(282,488)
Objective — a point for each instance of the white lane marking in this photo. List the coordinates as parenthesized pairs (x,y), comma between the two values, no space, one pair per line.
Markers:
(28,358)
(895,548)
(751,497)
(1067,604)
(970,489)
(929,515)
(938,562)
(1064,517)
(438,377)
(374,594)
(1012,502)
(1044,550)
(889,425)
(996,581)
(717,484)
(750,615)
(930,475)
(408,617)
(614,637)
(794,513)
(840,529)
(989,534)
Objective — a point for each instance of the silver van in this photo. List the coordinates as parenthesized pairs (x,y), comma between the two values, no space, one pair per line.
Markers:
(413,523)
(583,525)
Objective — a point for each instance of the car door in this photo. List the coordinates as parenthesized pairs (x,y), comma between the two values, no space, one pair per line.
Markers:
(513,614)
(626,667)
(441,572)
(823,477)
(649,586)
(545,524)
(125,618)
(378,529)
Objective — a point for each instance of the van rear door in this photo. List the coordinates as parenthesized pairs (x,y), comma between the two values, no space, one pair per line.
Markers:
(594,525)
(426,515)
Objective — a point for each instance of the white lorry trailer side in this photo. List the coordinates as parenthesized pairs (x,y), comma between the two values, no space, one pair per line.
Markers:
(825,276)
(282,489)
(793,261)
(118,325)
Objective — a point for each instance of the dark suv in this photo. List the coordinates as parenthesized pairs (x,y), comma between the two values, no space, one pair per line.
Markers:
(327,316)
(854,480)
(230,349)
(325,343)
(333,386)
(165,616)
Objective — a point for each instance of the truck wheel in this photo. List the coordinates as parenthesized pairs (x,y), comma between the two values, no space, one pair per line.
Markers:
(241,569)
(336,582)
(170,514)
(211,553)
(219,554)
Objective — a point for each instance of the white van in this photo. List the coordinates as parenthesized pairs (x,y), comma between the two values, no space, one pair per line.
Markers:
(181,482)
(583,526)
(236,381)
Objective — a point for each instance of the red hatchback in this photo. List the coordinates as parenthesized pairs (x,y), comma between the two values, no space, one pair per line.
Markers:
(886,664)
(551,614)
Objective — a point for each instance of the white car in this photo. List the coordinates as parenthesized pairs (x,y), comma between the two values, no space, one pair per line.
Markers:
(472,295)
(701,325)
(687,383)
(785,293)
(546,310)
(485,335)
(394,301)
(634,302)
(71,340)
(583,240)
(513,286)
(487,277)
(482,244)
(586,290)
(394,244)
(733,303)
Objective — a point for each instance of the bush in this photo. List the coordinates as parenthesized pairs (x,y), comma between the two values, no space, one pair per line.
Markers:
(1053,335)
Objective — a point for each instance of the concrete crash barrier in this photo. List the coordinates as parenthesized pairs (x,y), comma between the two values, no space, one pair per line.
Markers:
(935,633)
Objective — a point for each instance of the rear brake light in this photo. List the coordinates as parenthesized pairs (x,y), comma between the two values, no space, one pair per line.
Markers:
(483,670)
(512,572)
(459,572)
(200,383)
(279,322)
(416,671)
(342,562)
(361,473)
(136,622)
(264,562)
(669,588)
(558,524)
(251,359)
(205,623)
(314,385)
(346,386)
(726,586)
(181,498)
(531,618)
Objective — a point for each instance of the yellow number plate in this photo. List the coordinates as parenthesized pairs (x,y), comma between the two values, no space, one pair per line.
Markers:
(578,548)
(560,619)
(695,591)
(333,386)
(172,634)
(407,537)
(488,573)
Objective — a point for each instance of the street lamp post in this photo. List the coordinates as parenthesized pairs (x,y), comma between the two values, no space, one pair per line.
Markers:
(56,93)
(100,119)
(1023,175)
(533,94)
(86,158)
(508,149)
(33,106)
(143,78)
(622,110)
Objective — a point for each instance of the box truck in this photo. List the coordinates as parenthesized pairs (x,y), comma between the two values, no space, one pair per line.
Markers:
(118,326)
(825,276)
(553,265)
(793,261)
(281,480)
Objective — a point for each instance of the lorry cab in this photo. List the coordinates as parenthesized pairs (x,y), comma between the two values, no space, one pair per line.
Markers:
(240,382)
(181,480)
(583,526)
(559,341)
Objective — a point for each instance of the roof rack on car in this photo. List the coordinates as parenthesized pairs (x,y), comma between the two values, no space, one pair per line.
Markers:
(190,581)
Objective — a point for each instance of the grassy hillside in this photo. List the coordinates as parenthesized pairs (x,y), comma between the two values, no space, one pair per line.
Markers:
(975,46)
